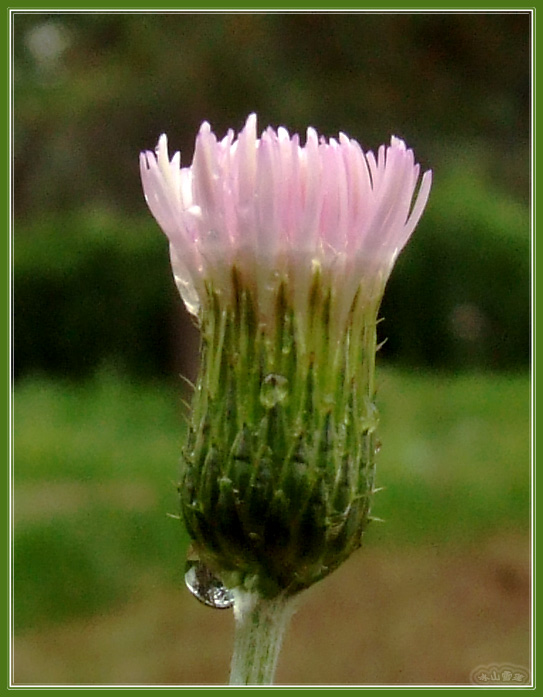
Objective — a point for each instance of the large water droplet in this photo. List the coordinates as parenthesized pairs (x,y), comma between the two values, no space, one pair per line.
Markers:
(205,586)
(274,390)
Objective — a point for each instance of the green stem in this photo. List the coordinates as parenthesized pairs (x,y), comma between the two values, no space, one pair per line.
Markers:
(260,626)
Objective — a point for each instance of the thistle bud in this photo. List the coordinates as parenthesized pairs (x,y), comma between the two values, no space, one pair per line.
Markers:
(282,252)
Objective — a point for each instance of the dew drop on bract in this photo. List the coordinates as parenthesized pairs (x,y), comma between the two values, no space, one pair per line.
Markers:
(274,390)
(205,586)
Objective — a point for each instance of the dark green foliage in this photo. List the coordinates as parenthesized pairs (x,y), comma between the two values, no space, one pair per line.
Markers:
(91,289)
(459,296)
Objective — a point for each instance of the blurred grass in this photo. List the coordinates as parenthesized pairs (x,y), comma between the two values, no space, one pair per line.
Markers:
(95,465)
(455,461)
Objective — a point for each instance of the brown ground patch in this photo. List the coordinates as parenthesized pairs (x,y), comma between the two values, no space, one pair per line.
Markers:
(386,617)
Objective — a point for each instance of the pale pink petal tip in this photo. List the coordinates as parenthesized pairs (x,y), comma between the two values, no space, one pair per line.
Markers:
(251,120)
(397,143)
(162,145)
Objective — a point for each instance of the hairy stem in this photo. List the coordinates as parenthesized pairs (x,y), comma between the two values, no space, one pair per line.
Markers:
(260,627)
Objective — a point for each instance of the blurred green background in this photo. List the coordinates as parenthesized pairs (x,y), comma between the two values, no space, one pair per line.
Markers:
(100,338)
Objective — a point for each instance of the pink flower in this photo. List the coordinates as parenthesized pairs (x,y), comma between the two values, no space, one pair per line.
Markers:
(282,251)
(277,211)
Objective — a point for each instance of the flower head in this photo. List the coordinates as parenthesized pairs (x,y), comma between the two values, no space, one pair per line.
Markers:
(277,209)
(282,251)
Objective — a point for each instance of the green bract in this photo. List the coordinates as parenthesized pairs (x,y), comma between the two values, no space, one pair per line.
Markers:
(278,470)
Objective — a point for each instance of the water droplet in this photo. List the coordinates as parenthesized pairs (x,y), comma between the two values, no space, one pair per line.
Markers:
(274,390)
(329,399)
(288,341)
(184,282)
(371,419)
(205,586)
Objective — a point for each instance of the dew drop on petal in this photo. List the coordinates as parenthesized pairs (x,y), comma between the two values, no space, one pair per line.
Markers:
(205,586)
(184,282)
(274,390)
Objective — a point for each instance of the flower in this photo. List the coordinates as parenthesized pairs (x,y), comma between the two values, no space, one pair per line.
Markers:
(282,252)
